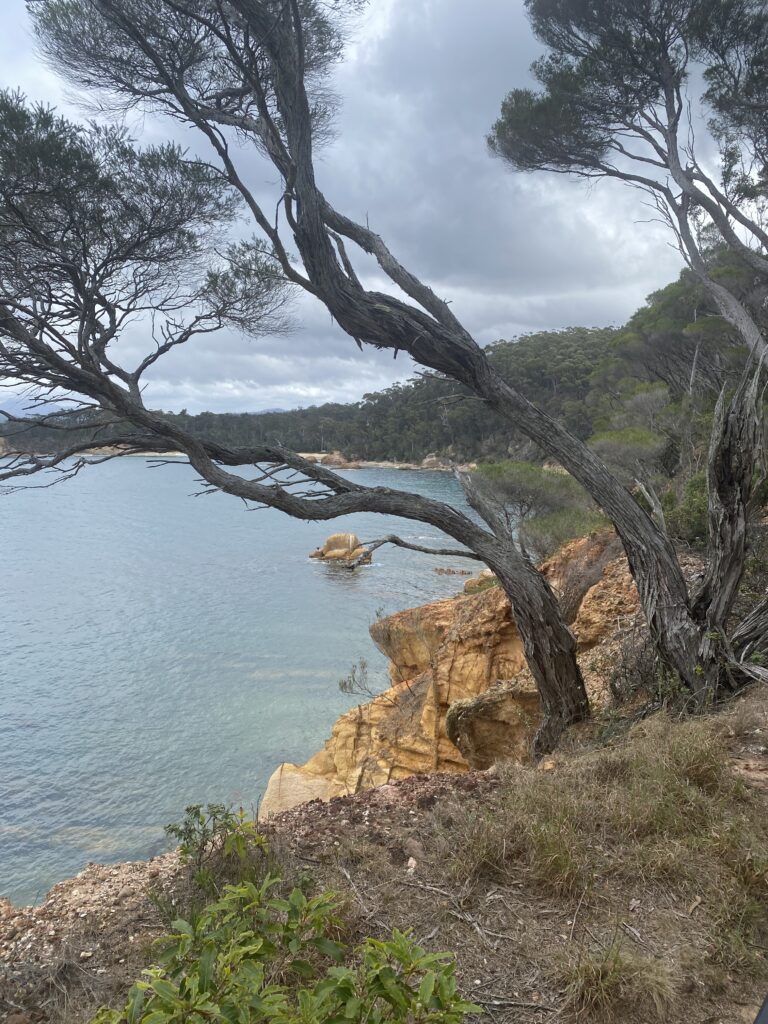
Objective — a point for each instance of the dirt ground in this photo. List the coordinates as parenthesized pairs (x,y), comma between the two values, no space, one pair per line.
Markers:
(396,855)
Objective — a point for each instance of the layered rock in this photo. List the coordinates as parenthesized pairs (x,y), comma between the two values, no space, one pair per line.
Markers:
(462,654)
(342,547)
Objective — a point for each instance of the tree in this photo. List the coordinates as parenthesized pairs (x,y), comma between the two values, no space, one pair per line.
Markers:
(252,71)
(543,504)
(93,233)
(617,101)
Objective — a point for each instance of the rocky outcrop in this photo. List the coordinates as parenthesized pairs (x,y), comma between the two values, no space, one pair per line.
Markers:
(342,547)
(495,726)
(333,459)
(486,578)
(460,695)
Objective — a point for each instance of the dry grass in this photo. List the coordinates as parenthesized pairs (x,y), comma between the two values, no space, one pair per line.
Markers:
(661,815)
(602,984)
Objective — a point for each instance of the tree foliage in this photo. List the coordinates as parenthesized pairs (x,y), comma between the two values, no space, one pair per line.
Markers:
(614,103)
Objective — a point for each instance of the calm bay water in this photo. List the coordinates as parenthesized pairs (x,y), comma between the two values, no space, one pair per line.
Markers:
(158,650)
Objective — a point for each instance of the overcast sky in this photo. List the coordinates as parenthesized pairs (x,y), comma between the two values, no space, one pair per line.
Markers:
(420,88)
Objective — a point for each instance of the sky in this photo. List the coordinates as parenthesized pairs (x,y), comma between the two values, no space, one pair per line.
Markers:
(420,87)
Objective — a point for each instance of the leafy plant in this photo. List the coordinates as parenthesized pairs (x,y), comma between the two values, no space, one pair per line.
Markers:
(252,956)
(216,832)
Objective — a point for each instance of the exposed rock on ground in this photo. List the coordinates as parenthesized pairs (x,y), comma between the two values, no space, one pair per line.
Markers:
(95,926)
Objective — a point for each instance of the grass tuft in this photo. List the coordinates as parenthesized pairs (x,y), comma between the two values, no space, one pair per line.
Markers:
(602,985)
(662,809)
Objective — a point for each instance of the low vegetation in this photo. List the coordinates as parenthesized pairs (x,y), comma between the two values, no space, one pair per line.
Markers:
(253,956)
(624,882)
(659,819)
(249,953)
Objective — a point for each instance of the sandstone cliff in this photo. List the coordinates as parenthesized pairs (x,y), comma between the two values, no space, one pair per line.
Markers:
(465,654)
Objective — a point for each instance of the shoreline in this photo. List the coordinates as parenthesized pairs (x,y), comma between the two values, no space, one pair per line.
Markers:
(34,897)
(316,457)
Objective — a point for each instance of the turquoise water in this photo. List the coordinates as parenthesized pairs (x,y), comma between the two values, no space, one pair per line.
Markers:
(158,650)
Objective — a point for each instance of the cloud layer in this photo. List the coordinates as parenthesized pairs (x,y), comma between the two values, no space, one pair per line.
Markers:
(420,89)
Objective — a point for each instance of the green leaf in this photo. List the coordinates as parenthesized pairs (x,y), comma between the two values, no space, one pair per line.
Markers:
(135,1005)
(206,967)
(426,988)
(328,947)
(165,990)
(353,1007)
(297,899)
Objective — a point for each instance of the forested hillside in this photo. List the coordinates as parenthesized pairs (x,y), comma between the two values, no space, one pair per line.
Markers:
(629,390)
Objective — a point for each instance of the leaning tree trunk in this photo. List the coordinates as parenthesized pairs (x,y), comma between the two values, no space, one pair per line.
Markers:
(549,646)
(550,650)
(434,337)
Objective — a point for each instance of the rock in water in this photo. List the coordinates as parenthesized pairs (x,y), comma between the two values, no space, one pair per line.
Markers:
(461,695)
(341,547)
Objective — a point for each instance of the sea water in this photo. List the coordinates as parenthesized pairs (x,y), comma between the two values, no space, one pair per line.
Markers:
(159,649)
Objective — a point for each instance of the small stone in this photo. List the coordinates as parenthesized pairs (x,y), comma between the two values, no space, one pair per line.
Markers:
(413,848)
(86,954)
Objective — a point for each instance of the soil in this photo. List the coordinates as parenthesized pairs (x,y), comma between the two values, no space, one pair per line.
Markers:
(91,936)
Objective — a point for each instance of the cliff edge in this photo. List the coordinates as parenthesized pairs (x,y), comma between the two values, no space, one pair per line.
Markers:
(461,696)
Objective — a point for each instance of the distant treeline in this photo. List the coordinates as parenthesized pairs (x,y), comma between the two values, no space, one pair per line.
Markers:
(611,385)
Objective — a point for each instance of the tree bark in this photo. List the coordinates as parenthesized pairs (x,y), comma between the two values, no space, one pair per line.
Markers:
(550,650)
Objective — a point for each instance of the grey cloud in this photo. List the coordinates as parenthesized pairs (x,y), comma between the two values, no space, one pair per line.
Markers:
(421,87)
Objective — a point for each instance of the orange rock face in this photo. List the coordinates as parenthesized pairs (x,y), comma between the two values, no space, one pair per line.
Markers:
(463,653)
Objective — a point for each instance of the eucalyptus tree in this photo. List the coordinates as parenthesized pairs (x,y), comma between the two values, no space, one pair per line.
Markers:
(101,243)
(252,74)
(672,99)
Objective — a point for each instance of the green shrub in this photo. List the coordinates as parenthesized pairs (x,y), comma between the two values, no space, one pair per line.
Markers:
(545,534)
(218,843)
(686,516)
(252,956)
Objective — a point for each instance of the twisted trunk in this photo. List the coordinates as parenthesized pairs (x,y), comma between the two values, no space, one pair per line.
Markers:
(550,650)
